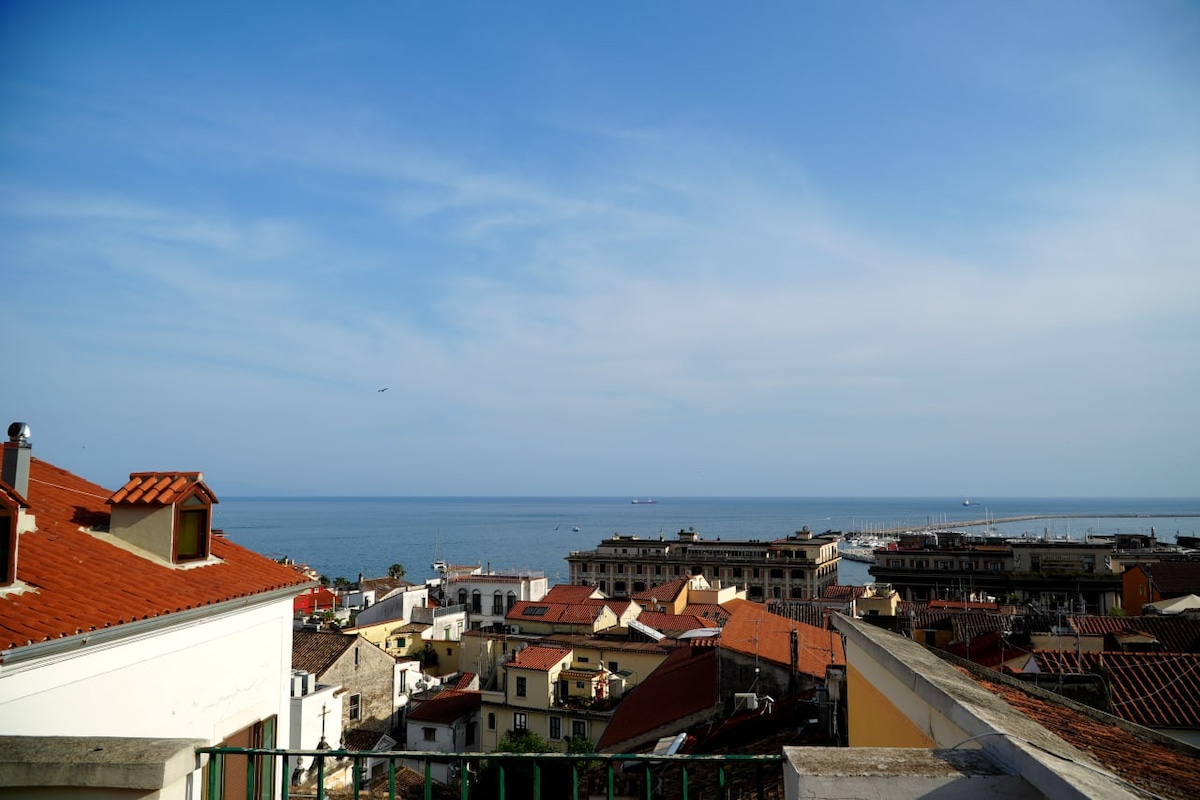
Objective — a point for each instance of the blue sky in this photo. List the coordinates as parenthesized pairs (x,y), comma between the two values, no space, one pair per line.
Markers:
(606,249)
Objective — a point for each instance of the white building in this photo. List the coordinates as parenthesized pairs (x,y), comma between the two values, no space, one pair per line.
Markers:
(397,604)
(487,597)
(316,724)
(447,723)
(131,634)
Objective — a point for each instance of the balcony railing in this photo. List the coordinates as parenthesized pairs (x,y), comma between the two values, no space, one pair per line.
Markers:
(519,776)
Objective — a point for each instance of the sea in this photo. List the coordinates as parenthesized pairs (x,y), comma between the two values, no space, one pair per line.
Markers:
(352,536)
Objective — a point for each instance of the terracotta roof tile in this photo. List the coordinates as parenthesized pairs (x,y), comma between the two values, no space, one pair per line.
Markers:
(674,623)
(160,488)
(537,657)
(569,593)
(1174,577)
(836,591)
(83,583)
(663,592)
(712,611)
(1176,634)
(1158,690)
(1157,767)
(683,685)
(753,630)
(530,611)
(446,706)
(316,651)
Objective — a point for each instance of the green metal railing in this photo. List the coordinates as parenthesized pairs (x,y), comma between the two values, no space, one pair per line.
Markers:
(492,774)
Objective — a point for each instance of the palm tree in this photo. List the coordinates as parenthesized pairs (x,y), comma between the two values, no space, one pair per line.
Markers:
(396,571)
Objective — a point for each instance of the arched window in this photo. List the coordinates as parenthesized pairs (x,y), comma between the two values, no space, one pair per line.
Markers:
(498,602)
(476,602)
(512,600)
(462,597)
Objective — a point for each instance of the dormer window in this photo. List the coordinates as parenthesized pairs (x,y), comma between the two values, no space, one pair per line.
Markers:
(191,530)
(168,514)
(8,547)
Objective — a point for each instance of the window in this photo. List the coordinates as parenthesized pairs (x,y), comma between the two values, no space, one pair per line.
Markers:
(675,570)
(639,586)
(639,569)
(995,566)
(756,573)
(578,684)
(512,600)
(521,686)
(556,727)
(8,549)
(191,534)
(600,568)
(895,562)
(658,569)
(797,574)
(355,707)
(429,734)
(584,659)
(619,587)
(471,733)
(491,720)
(943,564)
(520,721)
(612,666)
(462,597)
(476,602)
(737,572)
(579,728)
(777,574)
(498,602)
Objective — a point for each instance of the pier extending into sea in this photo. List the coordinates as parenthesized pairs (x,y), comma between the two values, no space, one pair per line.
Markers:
(942,526)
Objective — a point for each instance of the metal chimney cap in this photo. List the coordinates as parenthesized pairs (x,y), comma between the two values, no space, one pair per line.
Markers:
(19,432)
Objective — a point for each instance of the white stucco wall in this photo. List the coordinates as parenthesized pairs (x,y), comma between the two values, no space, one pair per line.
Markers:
(205,679)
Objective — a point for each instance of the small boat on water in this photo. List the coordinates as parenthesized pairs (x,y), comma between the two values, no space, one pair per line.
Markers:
(645,502)
(575,529)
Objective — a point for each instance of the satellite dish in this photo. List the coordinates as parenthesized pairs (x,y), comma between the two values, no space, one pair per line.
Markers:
(402,700)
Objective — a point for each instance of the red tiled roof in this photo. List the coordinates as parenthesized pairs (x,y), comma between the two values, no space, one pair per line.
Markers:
(683,685)
(316,651)
(1158,690)
(716,613)
(464,682)
(835,591)
(446,706)
(753,630)
(663,592)
(529,611)
(538,658)
(1174,577)
(1177,634)
(82,583)
(671,623)
(1155,767)
(160,488)
(569,593)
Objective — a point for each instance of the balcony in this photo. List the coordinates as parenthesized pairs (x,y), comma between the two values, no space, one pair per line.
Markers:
(517,775)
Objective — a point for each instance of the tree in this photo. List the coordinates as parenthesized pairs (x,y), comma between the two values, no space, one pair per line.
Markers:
(396,571)
(341,583)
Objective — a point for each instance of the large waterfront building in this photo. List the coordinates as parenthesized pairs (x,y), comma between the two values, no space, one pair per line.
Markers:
(796,567)
(1082,576)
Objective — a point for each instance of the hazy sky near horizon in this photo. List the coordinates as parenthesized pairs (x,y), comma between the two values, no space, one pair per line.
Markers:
(642,249)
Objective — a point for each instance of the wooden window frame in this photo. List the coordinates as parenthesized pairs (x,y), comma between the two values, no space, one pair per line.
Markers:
(203,539)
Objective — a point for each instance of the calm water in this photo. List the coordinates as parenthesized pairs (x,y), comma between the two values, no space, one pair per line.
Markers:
(346,536)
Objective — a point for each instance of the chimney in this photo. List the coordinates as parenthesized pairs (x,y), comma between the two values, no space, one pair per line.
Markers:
(17,452)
